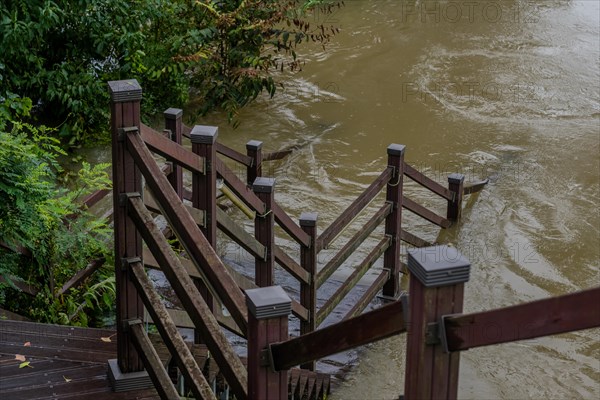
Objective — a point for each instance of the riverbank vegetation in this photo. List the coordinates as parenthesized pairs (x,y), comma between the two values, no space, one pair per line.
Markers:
(61,53)
(55,60)
(45,236)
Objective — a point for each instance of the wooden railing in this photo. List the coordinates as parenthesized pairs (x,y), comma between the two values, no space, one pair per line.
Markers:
(437,329)
(201,280)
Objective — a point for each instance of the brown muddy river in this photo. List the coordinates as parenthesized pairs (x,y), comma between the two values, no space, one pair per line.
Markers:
(502,89)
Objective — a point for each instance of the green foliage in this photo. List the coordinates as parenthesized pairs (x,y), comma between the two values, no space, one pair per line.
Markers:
(45,237)
(61,53)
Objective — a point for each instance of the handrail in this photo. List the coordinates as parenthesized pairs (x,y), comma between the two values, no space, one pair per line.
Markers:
(474,187)
(200,251)
(276,155)
(550,316)
(369,327)
(288,225)
(425,213)
(186,291)
(239,235)
(352,245)
(239,187)
(291,266)
(369,294)
(248,197)
(242,281)
(413,239)
(93,198)
(352,280)
(233,154)
(222,149)
(171,150)
(152,363)
(353,209)
(169,333)
(427,182)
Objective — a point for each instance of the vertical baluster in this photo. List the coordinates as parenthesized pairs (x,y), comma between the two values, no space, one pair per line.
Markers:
(174,125)
(308,291)
(254,150)
(393,222)
(456,186)
(264,231)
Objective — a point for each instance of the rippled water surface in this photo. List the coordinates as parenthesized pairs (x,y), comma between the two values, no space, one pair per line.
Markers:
(502,89)
(510,91)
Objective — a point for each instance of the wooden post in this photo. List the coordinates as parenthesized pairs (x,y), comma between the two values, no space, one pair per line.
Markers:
(174,125)
(308,291)
(127,179)
(254,150)
(437,277)
(268,311)
(393,222)
(204,194)
(456,186)
(264,230)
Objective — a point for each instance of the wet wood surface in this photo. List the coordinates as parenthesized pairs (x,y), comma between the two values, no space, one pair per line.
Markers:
(64,362)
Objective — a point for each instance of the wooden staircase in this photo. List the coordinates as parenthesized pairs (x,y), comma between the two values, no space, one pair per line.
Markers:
(302,384)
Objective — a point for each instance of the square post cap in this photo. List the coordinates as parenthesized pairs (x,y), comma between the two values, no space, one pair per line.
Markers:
(254,145)
(263,185)
(456,178)
(204,134)
(268,302)
(438,266)
(308,219)
(125,91)
(396,149)
(173,113)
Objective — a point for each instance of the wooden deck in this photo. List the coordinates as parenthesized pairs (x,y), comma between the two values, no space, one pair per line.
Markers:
(64,362)
(71,363)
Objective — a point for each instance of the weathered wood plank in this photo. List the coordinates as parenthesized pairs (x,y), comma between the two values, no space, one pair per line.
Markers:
(413,239)
(352,280)
(368,295)
(427,182)
(276,155)
(350,247)
(239,188)
(158,374)
(366,328)
(170,335)
(182,284)
(353,209)
(289,226)
(567,313)
(233,154)
(425,213)
(239,235)
(291,266)
(171,150)
(200,251)
(82,275)
(93,198)
(474,187)
(152,205)
(56,352)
